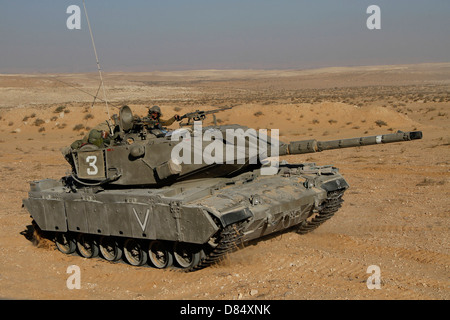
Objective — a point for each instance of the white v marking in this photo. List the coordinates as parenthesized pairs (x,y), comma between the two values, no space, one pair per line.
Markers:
(145,219)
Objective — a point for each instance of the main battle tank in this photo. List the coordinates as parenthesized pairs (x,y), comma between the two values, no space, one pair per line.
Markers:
(186,197)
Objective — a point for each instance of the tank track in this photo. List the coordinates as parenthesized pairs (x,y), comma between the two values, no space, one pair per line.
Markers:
(328,208)
(229,240)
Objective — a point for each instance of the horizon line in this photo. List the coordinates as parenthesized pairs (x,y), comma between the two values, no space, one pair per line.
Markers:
(233,69)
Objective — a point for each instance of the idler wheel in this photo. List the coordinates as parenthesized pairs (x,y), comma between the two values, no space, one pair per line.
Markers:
(87,246)
(110,249)
(186,256)
(160,257)
(134,253)
(65,243)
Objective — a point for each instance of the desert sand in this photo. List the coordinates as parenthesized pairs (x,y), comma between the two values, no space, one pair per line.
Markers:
(395,216)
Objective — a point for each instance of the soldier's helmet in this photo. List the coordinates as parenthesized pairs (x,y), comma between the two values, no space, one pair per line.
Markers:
(155,109)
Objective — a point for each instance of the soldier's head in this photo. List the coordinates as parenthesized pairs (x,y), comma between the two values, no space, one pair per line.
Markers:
(154,112)
(105,134)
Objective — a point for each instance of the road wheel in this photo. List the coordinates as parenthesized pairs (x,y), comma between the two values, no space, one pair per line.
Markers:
(110,249)
(134,253)
(186,256)
(159,255)
(87,246)
(65,243)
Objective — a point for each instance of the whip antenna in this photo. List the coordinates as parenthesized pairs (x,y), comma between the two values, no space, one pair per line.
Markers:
(98,63)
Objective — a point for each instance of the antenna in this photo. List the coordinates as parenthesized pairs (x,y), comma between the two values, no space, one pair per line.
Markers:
(102,84)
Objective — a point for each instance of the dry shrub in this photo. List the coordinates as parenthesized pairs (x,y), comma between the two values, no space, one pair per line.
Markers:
(59,109)
(380,123)
(430,182)
(38,122)
(78,127)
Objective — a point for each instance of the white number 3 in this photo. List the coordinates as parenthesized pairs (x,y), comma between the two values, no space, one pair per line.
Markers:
(93,170)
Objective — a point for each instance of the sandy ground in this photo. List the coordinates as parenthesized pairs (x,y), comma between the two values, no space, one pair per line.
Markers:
(395,216)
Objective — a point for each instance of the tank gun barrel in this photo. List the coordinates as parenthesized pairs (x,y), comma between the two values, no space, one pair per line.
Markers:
(311,146)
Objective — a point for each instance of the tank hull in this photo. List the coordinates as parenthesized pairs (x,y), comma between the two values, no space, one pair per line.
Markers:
(195,213)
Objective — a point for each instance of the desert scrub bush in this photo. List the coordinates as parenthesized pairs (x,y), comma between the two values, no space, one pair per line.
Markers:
(380,123)
(78,127)
(258,113)
(41,129)
(59,109)
(315,121)
(38,122)
(430,182)
(331,121)
(88,116)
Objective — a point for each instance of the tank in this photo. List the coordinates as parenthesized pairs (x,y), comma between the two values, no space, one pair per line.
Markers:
(188,197)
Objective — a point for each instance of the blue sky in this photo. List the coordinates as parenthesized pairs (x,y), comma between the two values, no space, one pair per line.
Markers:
(138,35)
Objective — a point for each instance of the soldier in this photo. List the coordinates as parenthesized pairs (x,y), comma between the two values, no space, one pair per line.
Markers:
(154,113)
(99,136)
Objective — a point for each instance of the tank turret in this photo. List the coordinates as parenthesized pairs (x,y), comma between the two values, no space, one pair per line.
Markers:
(138,153)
